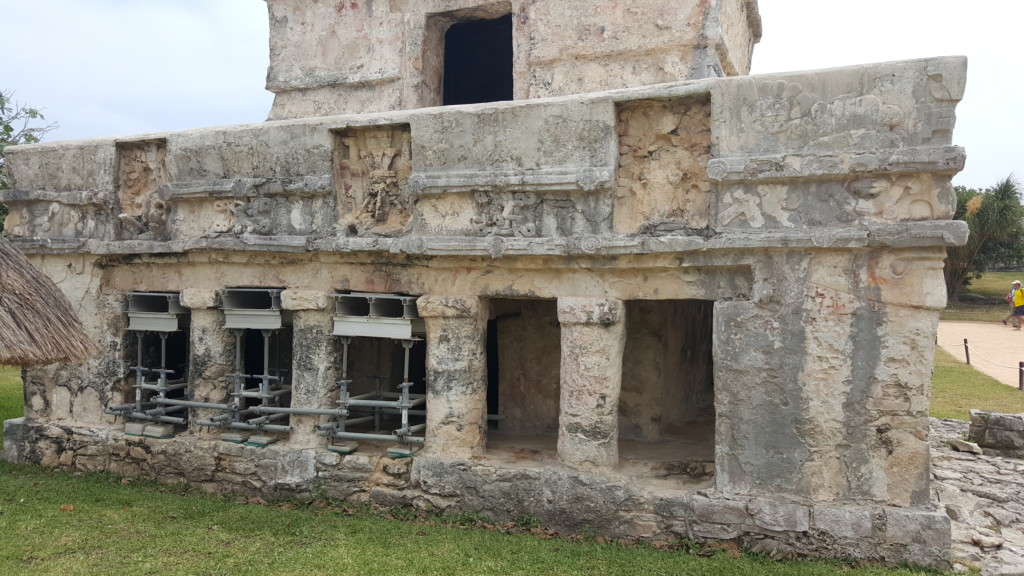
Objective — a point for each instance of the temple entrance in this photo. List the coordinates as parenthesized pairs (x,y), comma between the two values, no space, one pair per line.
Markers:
(523,357)
(666,407)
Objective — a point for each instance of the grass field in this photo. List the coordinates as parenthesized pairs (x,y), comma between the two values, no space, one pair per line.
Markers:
(957,388)
(982,300)
(12,403)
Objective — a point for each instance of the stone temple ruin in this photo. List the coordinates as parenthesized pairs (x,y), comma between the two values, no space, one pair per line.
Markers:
(551,259)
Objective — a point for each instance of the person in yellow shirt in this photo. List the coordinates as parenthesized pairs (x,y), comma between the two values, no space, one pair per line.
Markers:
(1009,300)
(1016,297)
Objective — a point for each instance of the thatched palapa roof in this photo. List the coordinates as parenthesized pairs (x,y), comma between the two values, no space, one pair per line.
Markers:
(37,324)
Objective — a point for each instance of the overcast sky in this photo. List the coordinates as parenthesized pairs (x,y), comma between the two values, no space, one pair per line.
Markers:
(119,67)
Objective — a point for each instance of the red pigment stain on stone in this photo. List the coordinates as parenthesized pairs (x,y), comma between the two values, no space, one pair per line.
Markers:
(343,5)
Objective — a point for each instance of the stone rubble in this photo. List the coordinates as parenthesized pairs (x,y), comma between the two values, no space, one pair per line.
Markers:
(984,499)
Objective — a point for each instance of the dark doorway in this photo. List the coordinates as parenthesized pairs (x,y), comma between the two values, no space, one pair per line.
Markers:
(478,61)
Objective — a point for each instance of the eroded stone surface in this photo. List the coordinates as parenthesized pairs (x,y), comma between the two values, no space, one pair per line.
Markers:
(984,498)
(777,239)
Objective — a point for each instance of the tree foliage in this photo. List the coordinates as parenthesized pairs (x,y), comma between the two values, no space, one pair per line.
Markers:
(18,125)
(995,218)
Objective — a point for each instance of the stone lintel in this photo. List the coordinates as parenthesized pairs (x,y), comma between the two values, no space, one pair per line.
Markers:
(940,233)
(68,197)
(941,159)
(303,300)
(603,311)
(571,179)
(198,298)
(448,306)
(201,189)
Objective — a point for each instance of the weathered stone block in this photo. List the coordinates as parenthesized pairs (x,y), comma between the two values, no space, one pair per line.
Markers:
(448,306)
(198,299)
(924,527)
(779,516)
(360,462)
(844,523)
(720,511)
(716,531)
(303,300)
(15,439)
(590,311)
(328,458)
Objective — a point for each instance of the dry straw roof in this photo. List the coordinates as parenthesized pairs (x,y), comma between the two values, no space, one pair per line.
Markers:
(37,323)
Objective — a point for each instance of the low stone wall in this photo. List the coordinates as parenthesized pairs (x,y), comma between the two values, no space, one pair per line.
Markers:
(561,498)
(998,434)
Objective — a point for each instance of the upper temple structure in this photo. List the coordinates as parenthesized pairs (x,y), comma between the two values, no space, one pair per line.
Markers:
(539,258)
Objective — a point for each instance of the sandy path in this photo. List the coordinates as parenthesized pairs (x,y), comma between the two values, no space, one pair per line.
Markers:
(996,350)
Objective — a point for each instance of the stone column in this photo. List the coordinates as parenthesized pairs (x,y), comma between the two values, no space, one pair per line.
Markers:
(211,354)
(593,338)
(315,362)
(456,374)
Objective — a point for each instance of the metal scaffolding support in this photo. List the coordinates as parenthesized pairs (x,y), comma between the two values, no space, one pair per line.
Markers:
(370,406)
(269,391)
(156,408)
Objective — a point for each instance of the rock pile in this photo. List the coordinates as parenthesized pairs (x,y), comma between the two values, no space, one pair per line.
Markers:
(998,434)
(984,499)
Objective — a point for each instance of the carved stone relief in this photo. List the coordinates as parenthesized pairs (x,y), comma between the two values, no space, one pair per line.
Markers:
(505,214)
(70,215)
(528,214)
(664,148)
(141,171)
(869,199)
(252,216)
(256,216)
(906,197)
(372,168)
(844,122)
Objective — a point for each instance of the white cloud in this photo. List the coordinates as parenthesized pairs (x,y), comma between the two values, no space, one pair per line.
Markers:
(111,67)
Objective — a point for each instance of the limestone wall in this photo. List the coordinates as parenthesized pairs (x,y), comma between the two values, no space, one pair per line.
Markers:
(714,301)
(364,56)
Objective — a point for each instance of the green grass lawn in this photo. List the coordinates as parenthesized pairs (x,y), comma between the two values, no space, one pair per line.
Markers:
(79,524)
(12,403)
(957,388)
(994,284)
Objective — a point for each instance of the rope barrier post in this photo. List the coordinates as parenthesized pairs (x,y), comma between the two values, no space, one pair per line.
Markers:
(1020,376)
(967,352)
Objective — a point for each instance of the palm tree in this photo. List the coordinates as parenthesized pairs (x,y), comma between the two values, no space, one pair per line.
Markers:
(996,221)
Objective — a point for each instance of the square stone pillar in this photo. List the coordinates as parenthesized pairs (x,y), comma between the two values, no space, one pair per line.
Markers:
(316,361)
(211,354)
(456,374)
(593,339)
